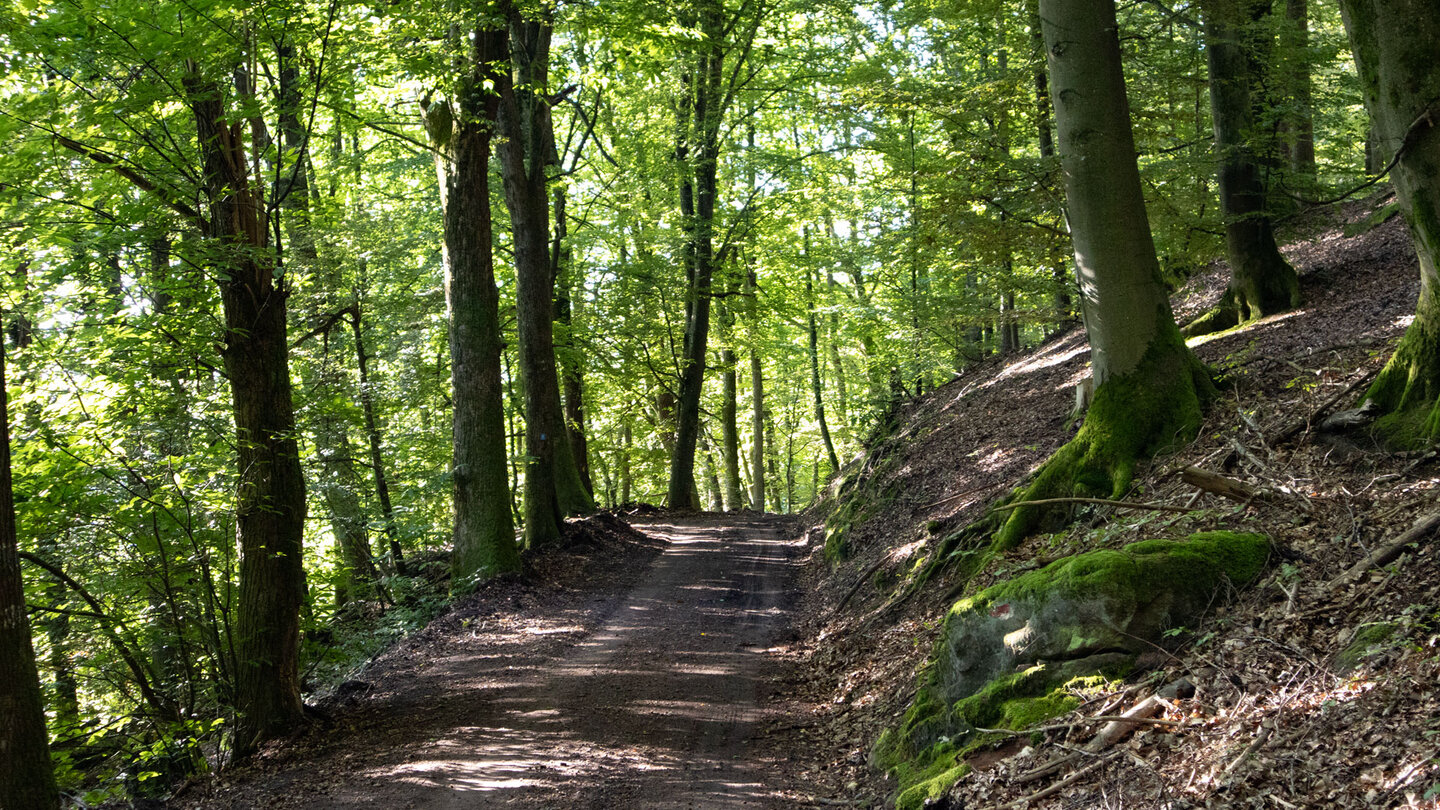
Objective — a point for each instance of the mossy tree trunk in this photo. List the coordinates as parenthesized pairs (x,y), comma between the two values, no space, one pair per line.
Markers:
(1394,45)
(483,528)
(1149,387)
(1237,40)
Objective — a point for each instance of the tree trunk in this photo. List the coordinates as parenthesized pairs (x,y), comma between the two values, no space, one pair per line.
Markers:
(730,431)
(1149,387)
(1299,124)
(707,113)
(572,374)
(338,482)
(1394,45)
(816,389)
(375,439)
(1261,281)
(1045,139)
(270,509)
(553,488)
(483,530)
(27,779)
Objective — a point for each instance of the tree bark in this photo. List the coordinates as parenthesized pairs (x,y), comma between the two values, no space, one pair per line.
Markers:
(1299,124)
(27,779)
(1149,387)
(707,114)
(1261,281)
(375,440)
(1394,45)
(270,512)
(730,430)
(553,488)
(483,529)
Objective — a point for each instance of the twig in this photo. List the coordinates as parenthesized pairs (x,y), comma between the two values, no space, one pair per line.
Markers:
(1099,718)
(1314,416)
(1158,507)
(1058,786)
(1265,731)
(1425,526)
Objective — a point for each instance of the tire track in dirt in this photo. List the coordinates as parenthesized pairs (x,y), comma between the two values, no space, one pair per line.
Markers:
(659,706)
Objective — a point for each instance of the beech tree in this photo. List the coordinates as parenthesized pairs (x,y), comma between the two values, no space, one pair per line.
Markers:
(553,485)
(1394,45)
(1149,388)
(1238,47)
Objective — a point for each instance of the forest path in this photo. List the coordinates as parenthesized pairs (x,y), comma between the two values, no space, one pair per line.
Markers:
(659,705)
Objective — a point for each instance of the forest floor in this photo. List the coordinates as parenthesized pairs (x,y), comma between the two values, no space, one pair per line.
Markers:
(1279,717)
(630,671)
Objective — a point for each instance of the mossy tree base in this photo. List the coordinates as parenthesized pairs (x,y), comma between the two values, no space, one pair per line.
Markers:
(1407,391)
(1155,407)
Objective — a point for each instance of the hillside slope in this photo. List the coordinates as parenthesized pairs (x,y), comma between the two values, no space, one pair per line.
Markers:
(1309,690)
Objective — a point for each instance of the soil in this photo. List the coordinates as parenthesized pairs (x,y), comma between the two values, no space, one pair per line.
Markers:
(633,674)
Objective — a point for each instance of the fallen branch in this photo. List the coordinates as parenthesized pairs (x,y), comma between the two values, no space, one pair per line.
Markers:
(1157,507)
(861,580)
(1217,484)
(1423,527)
(1260,738)
(1319,413)
(1108,736)
(1058,786)
(1099,718)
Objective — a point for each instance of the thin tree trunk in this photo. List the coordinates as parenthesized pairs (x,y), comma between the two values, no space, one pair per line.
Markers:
(816,389)
(730,430)
(376,439)
(572,373)
(1300,123)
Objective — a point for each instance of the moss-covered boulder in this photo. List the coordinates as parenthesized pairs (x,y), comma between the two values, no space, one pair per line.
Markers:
(1013,654)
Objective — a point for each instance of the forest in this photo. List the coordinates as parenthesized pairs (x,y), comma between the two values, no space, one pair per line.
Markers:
(318,315)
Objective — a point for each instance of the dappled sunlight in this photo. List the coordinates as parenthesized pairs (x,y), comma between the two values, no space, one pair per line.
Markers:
(1247,327)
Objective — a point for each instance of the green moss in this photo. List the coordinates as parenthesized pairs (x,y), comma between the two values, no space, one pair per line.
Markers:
(931,784)
(1017,701)
(1367,640)
(1139,571)
(1134,416)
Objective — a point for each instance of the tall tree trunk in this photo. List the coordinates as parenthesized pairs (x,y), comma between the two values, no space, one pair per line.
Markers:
(483,531)
(816,389)
(1149,388)
(27,779)
(707,111)
(553,487)
(730,430)
(1299,124)
(1045,140)
(1261,281)
(375,439)
(567,351)
(270,510)
(1394,45)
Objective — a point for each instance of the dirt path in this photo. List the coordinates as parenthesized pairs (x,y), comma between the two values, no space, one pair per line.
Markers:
(646,697)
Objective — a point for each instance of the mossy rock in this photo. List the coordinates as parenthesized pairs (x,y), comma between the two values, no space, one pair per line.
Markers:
(1012,655)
